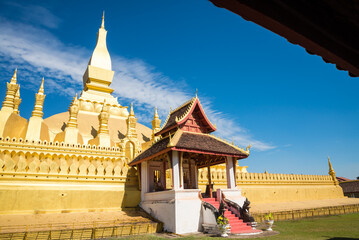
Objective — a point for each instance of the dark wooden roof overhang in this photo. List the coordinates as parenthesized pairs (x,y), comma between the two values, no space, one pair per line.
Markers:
(327,28)
(350,186)
(193,143)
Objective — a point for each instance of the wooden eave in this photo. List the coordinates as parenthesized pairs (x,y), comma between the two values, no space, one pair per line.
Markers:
(194,102)
(329,29)
(172,143)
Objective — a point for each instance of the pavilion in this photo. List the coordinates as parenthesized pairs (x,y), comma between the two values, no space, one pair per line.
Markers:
(183,145)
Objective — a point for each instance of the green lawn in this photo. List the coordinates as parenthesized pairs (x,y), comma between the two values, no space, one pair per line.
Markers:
(333,227)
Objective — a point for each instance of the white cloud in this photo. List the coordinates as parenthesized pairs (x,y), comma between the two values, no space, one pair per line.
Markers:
(39,53)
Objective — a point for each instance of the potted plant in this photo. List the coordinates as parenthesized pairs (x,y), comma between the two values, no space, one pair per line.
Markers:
(269,220)
(223,225)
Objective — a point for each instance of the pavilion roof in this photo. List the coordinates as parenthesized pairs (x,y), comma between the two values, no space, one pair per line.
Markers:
(180,115)
(343,179)
(184,141)
(350,186)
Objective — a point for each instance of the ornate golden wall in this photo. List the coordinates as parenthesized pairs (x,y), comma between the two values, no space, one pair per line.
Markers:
(39,177)
(272,187)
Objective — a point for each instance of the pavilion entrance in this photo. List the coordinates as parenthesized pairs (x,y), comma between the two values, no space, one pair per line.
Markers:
(168,169)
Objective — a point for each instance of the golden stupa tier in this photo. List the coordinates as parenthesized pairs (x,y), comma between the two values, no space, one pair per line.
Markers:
(94,107)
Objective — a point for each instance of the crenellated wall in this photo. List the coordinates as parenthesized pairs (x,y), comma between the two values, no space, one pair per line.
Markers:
(57,177)
(272,187)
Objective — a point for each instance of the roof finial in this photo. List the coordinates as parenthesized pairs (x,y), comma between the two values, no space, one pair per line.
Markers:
(156,113)
(196,92)
(41,90)
(103,20)
(14,77)
(132,113)
(331,170)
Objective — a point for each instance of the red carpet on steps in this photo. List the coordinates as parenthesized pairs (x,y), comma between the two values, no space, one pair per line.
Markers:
(237,225)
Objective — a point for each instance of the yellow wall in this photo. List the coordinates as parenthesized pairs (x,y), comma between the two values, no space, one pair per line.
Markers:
(44,178)
(268,187)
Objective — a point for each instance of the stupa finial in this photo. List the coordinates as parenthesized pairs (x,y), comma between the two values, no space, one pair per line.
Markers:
(14,77)
(17,101)
(156,113)
(156,123)
(132,113)
(41,89)
(39,101)
(103,20)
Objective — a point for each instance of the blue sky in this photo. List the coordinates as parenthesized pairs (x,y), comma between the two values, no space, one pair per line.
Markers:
(258,88)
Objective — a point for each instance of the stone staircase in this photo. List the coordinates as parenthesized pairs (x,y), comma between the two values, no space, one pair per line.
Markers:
(237,225)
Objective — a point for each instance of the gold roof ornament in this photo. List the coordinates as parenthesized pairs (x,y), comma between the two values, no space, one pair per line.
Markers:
(103,20)
(131,124)
(17,101)
(170,143)
(132,113)
(248,147)
(73,111)
(12,86)
(332,172)
(103,119)
(14,77)
(39,101)
(41,89)
(156,123)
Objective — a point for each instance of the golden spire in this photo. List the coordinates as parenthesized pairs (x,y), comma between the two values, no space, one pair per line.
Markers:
(132,113)
(73,111)
(131,124)
(156,113)
(41,89)
(100,57)
(332,172)
(39,101)
(156,123)
(17,101)
(14,77)
(12,86)
(103,20)
(103,119)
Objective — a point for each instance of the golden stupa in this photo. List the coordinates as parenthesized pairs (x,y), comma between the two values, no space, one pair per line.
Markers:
(74,160)
(77,161)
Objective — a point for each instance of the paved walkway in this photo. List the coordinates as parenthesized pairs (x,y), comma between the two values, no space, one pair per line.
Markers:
(287,206)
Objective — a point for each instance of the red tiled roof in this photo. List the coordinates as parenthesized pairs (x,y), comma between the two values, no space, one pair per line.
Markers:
(343,179)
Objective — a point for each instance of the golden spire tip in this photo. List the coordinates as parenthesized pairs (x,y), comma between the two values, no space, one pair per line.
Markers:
(103,20)
(41,89)
(14,77)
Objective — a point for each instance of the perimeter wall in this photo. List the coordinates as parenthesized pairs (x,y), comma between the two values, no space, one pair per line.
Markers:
(272,187)
(46,177)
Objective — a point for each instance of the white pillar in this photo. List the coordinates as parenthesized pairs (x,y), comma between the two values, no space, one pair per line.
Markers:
(145,181)
(176,171)
(231,180)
